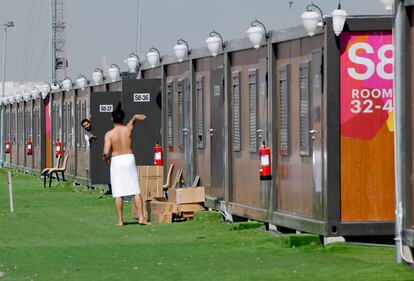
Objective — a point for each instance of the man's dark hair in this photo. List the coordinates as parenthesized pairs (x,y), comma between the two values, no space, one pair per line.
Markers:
(84,120)
(118,116)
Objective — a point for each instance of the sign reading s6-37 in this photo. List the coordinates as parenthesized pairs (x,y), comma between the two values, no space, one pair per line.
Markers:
(367,73)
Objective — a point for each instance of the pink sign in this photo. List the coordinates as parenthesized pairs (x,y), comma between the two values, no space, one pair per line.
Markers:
(366,70)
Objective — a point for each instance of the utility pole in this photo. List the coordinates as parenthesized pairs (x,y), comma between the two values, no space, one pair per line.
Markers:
(58,61)
(139,29)
(291,13)
(3,92)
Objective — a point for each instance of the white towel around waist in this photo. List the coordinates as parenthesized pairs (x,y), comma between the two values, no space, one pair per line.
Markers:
(124,176)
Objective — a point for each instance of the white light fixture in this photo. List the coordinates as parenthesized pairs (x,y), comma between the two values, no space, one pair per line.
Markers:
(82,81)
(45,89)
(214,43)
(338,20)
(55,86)
(26,95)
(388,4)
(35,93)
(114,72)
(97,76)
(153,57)
(311,19)
(67,84)
(11,99)
(181,49)
(18,97)
(256,33)
(133,63)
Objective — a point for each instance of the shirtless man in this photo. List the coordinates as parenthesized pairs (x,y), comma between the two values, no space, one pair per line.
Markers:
(124,176)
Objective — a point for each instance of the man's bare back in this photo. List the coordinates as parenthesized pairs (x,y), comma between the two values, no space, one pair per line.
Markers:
(119,139)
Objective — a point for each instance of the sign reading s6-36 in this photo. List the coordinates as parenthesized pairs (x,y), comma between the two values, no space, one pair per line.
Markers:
(367,73)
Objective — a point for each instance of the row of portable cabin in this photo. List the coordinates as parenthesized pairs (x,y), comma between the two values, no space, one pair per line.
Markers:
(310,99)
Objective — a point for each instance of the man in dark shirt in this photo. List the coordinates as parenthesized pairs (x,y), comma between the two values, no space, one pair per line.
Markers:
(89,138)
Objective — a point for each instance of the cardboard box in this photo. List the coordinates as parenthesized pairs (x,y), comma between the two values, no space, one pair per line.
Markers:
(150,181)
(161,218)
(151,171)
(186,195)
(162,206)
(190,207)
(150,188)
(161,210)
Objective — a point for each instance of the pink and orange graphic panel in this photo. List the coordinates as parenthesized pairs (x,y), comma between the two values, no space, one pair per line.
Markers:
(367,125)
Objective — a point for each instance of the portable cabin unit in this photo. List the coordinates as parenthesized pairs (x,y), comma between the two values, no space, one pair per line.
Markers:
(82,146)
(13,135)
(102,101)
(83,111)
(249,123)
(7,132)
(28,133)
(404,88)
(208,123)
(20,139)
(38,134)
(175,114)
(56,125)
(178,116)
(159,72)
(360,138)
(68,125)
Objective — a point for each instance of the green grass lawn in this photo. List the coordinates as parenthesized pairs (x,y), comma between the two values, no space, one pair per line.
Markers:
(66,233)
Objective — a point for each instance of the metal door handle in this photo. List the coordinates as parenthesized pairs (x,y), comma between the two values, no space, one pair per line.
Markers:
(259,130)
(313,131)
(212,130)
(185,130)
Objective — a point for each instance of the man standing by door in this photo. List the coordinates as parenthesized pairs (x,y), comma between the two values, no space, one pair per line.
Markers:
(123,170)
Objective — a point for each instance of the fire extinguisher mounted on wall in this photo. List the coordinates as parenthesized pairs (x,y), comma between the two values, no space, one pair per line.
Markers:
(58,150)
(29,149)
(158,155)
(265,166)
(7,146)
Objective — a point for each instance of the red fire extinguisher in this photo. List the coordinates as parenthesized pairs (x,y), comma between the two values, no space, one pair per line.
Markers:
(265,167)
(58,148)
(158,155)
(29,149)
(7,143)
